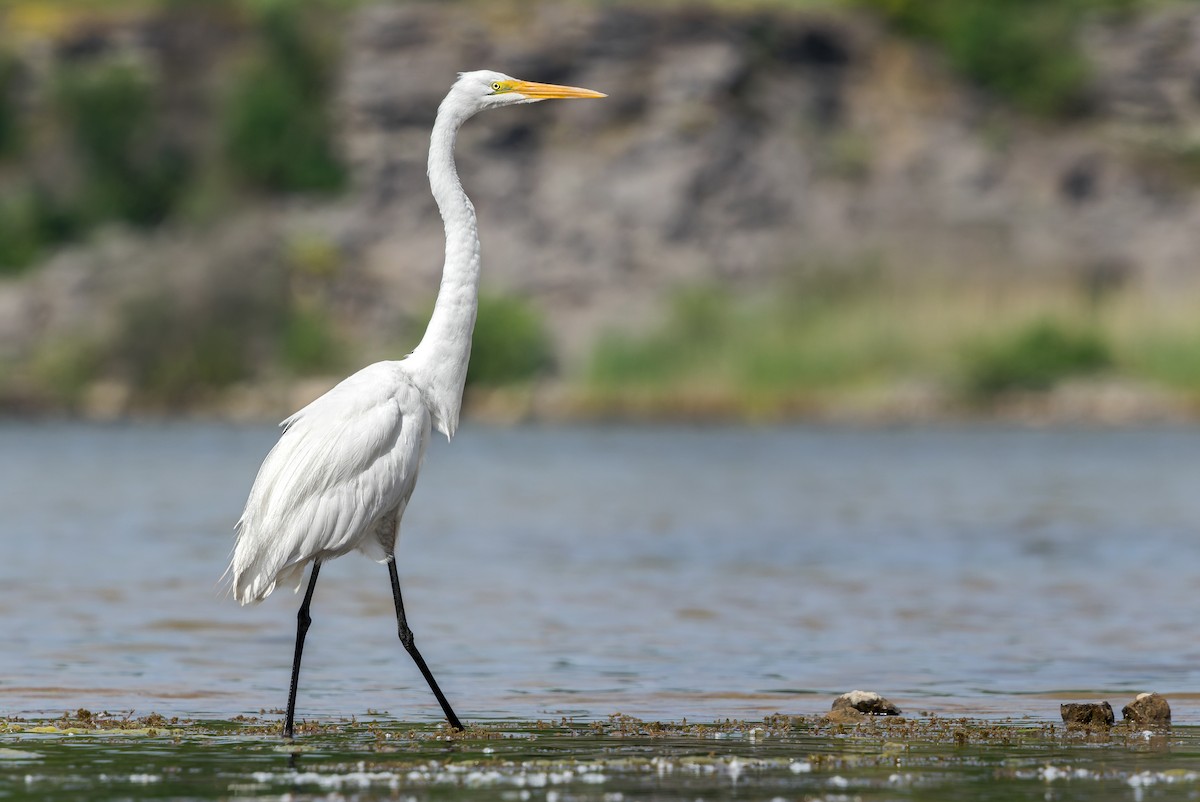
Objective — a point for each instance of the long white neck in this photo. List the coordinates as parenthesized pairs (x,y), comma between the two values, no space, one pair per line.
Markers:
(439,362)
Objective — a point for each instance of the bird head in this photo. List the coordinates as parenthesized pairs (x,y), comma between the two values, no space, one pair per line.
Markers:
(485,89)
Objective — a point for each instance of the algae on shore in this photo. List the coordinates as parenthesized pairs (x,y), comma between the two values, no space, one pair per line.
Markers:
(778,757)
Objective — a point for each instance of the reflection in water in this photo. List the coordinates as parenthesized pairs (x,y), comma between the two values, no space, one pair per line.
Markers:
(659,572)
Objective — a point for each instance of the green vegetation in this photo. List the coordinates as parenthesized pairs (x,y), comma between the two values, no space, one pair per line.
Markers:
(121,164)
(510,343)
(835,336)
(131,171)
(65,368)
(176,352)
(683,346)
(108,148)
(19,235)
(30,218)
(277,130)
(825,332)
(1171,359)
(309,344)
(1026,51)
(831,339)
(1034,357)
(10,119)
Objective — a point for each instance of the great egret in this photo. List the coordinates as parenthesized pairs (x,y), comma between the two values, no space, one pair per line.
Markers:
(345,466)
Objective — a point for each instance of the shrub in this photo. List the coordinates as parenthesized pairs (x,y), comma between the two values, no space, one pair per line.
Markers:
(308,344)
(510,343)
(10,123)
(31,219)
(173,350)
(19,240)
(64,367)
(278,136)
(1034,357)
(1023,50)
(130,171)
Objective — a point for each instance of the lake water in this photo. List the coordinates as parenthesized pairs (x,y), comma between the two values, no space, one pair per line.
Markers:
(656,572)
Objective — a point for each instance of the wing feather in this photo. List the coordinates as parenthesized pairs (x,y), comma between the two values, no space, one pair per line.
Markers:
(342,463)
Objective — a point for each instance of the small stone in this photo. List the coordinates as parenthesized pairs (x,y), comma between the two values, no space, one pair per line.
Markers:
(843,715)
(867,702)
(1148,710)
(1087,714)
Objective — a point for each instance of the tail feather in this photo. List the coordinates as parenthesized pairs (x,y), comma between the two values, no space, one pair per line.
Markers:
(253,577)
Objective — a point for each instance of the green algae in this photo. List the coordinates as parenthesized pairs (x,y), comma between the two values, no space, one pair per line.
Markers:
(616,758)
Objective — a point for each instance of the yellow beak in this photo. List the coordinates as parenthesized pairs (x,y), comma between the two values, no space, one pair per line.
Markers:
(545,91)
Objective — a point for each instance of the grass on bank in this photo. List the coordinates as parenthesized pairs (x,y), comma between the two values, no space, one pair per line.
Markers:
(827,338)
(510,344)
(177,353)
(820,342)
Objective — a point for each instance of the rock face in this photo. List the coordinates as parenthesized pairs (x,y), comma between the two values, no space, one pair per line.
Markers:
(1087,714)
(734,147)
(699,167)
(1147,710)
(1149,69)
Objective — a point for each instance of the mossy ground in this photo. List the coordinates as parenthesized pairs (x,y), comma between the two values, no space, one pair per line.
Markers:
(621,757)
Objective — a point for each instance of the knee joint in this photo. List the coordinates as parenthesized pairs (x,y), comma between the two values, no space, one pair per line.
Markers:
(406,637)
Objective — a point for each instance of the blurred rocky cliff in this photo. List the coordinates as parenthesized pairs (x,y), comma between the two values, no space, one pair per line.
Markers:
(735,147)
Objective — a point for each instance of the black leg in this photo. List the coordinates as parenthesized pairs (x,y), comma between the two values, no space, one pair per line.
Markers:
(302,621)
(406,637)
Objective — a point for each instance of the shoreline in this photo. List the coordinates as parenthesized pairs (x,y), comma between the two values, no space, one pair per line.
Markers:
(1102,403)
(613,759)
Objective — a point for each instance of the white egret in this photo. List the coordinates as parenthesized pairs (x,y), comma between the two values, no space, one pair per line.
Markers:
(345,466)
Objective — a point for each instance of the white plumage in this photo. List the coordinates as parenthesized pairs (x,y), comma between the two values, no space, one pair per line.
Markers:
(345,466)
(337,480)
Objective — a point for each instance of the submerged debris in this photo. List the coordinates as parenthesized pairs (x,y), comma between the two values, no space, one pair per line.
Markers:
(85,722)
(1148,710)
(1087,714)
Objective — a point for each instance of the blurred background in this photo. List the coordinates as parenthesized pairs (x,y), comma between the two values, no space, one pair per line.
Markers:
(965,216)
(850,209)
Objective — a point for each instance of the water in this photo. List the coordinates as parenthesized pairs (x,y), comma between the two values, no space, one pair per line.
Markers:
(657,572)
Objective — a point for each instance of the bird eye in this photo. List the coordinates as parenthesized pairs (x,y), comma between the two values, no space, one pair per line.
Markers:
(496,86)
